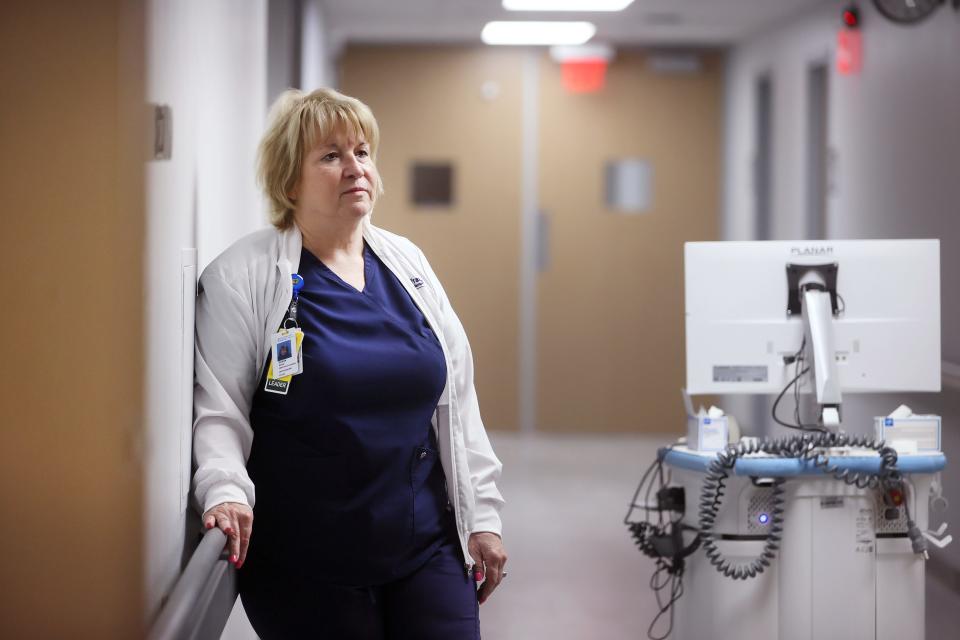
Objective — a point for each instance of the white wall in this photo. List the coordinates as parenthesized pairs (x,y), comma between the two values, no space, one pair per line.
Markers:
(318,53)
(895,134)
(206,60)
(231,102)
(170,227)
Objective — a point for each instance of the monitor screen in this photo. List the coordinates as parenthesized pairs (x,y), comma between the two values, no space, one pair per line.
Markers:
(886,332)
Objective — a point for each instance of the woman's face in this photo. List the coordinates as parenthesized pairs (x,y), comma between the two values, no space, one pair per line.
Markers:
(338,179)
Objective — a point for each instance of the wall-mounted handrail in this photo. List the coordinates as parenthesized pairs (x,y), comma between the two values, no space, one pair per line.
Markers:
(202,599)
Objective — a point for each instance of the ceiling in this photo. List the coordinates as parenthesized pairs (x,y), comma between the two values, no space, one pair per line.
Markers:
(645,22)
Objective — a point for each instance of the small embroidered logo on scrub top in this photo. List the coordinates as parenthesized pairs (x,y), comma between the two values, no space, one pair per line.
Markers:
(417,282)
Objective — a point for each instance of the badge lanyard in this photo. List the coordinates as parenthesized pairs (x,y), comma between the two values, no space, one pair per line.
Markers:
(286,346)
(292,311)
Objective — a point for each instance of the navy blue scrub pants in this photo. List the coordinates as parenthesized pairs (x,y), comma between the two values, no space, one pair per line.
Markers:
(437,602)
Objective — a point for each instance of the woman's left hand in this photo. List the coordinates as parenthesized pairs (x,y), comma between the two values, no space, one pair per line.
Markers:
(487,551)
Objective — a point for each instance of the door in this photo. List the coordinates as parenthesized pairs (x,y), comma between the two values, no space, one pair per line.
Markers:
(71,255)
(817,150)
(610,350)
(763,160)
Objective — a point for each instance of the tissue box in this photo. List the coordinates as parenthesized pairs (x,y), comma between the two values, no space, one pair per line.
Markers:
(707,434)
(923,430)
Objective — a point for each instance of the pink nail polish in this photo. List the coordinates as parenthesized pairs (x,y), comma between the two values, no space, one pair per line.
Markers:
(233,559)
(477,576)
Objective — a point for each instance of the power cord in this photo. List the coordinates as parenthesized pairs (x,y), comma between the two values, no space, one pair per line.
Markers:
(661,538)
(674,580)
(797,359)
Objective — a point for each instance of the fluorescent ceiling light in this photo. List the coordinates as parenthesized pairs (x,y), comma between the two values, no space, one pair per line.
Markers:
(566,5)
(546,33)
(564,53)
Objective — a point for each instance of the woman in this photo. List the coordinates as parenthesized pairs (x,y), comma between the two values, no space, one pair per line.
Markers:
(376,499)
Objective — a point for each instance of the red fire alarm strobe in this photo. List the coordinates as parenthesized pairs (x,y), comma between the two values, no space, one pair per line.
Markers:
(851,16)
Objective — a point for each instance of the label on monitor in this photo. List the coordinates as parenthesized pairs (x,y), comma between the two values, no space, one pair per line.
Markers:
(739,373)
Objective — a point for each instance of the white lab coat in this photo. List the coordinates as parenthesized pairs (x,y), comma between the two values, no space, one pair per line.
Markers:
(243,296)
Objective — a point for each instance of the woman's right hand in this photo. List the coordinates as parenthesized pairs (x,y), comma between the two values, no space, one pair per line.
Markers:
(235,519)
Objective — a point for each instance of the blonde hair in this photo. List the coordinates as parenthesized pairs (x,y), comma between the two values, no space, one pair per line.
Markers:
(297,121)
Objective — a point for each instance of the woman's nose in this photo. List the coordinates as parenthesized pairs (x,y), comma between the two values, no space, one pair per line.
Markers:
(352,167)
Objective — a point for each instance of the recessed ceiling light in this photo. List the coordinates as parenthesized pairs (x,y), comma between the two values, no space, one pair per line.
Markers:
(537,33)
(566,5)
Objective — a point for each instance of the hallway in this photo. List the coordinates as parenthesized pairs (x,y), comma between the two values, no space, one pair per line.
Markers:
(554,189)
(575,572)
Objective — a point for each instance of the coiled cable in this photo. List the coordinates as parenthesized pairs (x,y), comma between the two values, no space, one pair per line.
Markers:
(807,448)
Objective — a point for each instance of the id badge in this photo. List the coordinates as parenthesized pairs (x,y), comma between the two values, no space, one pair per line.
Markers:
(286,360)
(285,353)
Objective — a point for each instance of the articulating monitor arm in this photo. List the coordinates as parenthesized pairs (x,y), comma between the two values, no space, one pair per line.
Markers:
(814,289)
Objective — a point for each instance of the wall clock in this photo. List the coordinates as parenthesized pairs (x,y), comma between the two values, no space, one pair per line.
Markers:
(907,11)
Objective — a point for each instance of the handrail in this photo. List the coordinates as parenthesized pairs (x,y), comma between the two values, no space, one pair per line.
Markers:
(202,599)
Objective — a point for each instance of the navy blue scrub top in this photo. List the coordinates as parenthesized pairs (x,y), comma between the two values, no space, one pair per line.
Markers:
(349,487)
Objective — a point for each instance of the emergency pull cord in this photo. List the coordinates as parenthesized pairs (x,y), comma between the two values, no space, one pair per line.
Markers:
(808,448)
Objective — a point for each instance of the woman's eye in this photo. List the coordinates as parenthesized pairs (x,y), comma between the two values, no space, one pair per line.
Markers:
(362,153)
(330,156)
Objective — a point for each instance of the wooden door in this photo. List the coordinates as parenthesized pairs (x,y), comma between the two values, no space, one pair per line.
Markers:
(610,353)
